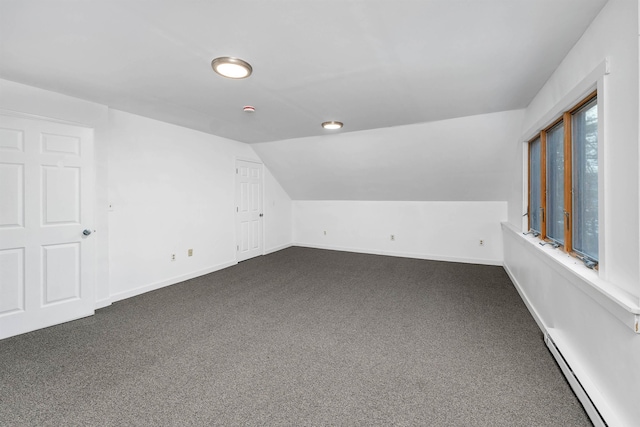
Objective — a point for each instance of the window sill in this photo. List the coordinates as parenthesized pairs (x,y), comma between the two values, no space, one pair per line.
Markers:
(617,301)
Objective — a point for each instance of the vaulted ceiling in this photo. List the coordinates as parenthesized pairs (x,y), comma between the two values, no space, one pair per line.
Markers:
(371,64)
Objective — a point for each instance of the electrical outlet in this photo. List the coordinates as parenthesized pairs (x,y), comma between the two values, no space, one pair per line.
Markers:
(190,252)
(393,237)
(481,242)
(173,257)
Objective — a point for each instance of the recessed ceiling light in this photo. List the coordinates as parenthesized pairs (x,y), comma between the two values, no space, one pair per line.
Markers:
(332,125)
(232,68)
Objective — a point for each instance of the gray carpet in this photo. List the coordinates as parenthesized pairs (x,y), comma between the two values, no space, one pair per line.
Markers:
(301,337)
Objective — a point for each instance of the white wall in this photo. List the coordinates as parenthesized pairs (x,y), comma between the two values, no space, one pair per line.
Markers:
(613,35)
(173,189)
(449,231)
(439,187)
(278,215)
(591,315)
(595,334)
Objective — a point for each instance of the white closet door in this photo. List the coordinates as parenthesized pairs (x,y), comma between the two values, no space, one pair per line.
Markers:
(46,219)
(248,210)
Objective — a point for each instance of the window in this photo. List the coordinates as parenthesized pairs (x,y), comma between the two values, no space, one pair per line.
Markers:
(555,184)
(535,207)
(585,178)
(563,182)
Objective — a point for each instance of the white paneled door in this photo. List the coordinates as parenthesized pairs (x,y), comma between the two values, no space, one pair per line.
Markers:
(248,209)
(46,219)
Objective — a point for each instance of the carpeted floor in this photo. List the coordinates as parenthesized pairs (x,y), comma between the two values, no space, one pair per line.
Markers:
(301,337)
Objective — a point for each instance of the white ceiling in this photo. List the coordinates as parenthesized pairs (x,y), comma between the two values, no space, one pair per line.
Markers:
(370,64)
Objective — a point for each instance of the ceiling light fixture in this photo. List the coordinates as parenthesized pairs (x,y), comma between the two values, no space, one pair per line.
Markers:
(332,125)
(249,109)
(232,68)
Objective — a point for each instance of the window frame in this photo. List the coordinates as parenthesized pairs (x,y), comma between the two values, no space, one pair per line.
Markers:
(565,118)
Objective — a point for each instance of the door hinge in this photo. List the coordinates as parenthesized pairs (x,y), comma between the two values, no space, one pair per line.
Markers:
(237,247)
(237,209)
(236,171)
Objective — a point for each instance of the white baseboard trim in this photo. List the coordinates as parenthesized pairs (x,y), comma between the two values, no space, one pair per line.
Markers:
(103,303)
(590,398)
(431,257)
(277,248)
(168,282)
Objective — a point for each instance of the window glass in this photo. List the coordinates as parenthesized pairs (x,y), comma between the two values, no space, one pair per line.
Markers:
(555,183)
(563,182)
(585,180)
(535,205)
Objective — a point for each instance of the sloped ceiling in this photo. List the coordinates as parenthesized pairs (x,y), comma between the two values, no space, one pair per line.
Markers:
(467,158)
(369,63)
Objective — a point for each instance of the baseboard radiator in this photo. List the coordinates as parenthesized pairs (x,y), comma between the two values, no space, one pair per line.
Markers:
(574,382)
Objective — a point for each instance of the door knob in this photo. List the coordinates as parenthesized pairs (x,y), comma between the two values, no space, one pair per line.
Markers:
(261,215)
(86,232)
